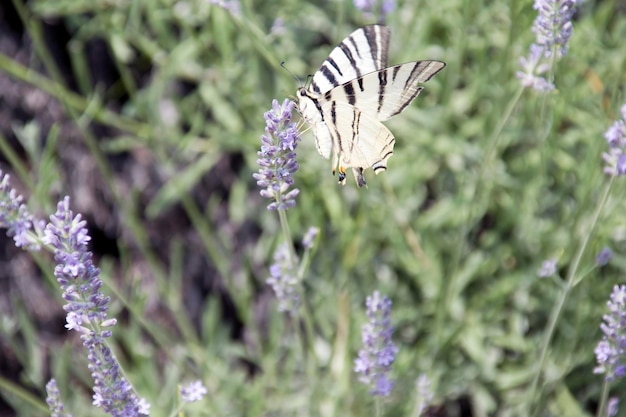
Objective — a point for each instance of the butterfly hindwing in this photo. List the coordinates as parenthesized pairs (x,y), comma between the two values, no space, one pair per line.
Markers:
(360,141)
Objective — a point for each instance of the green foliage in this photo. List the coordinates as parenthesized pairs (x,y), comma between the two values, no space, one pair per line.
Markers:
(474,200)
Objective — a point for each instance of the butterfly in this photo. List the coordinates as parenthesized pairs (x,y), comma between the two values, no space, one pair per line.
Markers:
(352,93)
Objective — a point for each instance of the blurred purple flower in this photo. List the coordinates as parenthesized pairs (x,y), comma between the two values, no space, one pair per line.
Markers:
(615,137)
(548,268)
(612,407)
(532,68)
(194,391)
(368,7)
(611,350)
(53,400)
(378,352)
(424,393)
(604,256)
(277,157)
(309,237)
(552,29)
(15,216)
(283,281)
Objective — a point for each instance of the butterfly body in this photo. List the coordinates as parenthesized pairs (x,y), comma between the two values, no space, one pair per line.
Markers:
(352,93)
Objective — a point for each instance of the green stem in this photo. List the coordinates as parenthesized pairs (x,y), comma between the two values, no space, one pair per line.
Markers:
(603,400)
(570,282)
(379,406)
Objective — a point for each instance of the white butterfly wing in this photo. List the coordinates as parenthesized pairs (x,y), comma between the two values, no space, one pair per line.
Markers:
(385,93)
(360,141)
(364,51)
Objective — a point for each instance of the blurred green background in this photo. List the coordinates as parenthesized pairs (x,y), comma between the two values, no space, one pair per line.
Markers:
(148,115)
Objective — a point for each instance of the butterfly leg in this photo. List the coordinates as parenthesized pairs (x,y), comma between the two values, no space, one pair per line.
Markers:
(342,175)
(338,167)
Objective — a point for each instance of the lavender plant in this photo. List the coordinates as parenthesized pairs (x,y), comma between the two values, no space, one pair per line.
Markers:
(379,352)
(87,310)
(277,161)
(86,305)
(605,351)
(552,29)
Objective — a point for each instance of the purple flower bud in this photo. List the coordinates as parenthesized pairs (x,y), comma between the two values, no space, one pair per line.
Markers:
(604,256)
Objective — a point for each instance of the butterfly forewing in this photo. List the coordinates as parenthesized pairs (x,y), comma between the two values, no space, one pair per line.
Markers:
(353,92)
(364,51)
(388,92)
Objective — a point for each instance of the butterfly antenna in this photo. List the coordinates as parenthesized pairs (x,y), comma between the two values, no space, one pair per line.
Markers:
(282,64)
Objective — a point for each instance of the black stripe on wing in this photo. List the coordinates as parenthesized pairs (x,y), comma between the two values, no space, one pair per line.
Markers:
(364,51)
(378,40)
(385,93)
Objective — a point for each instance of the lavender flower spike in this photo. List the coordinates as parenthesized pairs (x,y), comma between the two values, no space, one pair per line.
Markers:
(75,272)
(277,157)
(611,350)
(54,400)
(283,281)
(15,217)
(552,29)
(553,25)
(87,310)
(379,352)
(616,139)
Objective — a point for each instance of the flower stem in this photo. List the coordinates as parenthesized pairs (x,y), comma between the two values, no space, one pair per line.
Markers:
(570,282)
